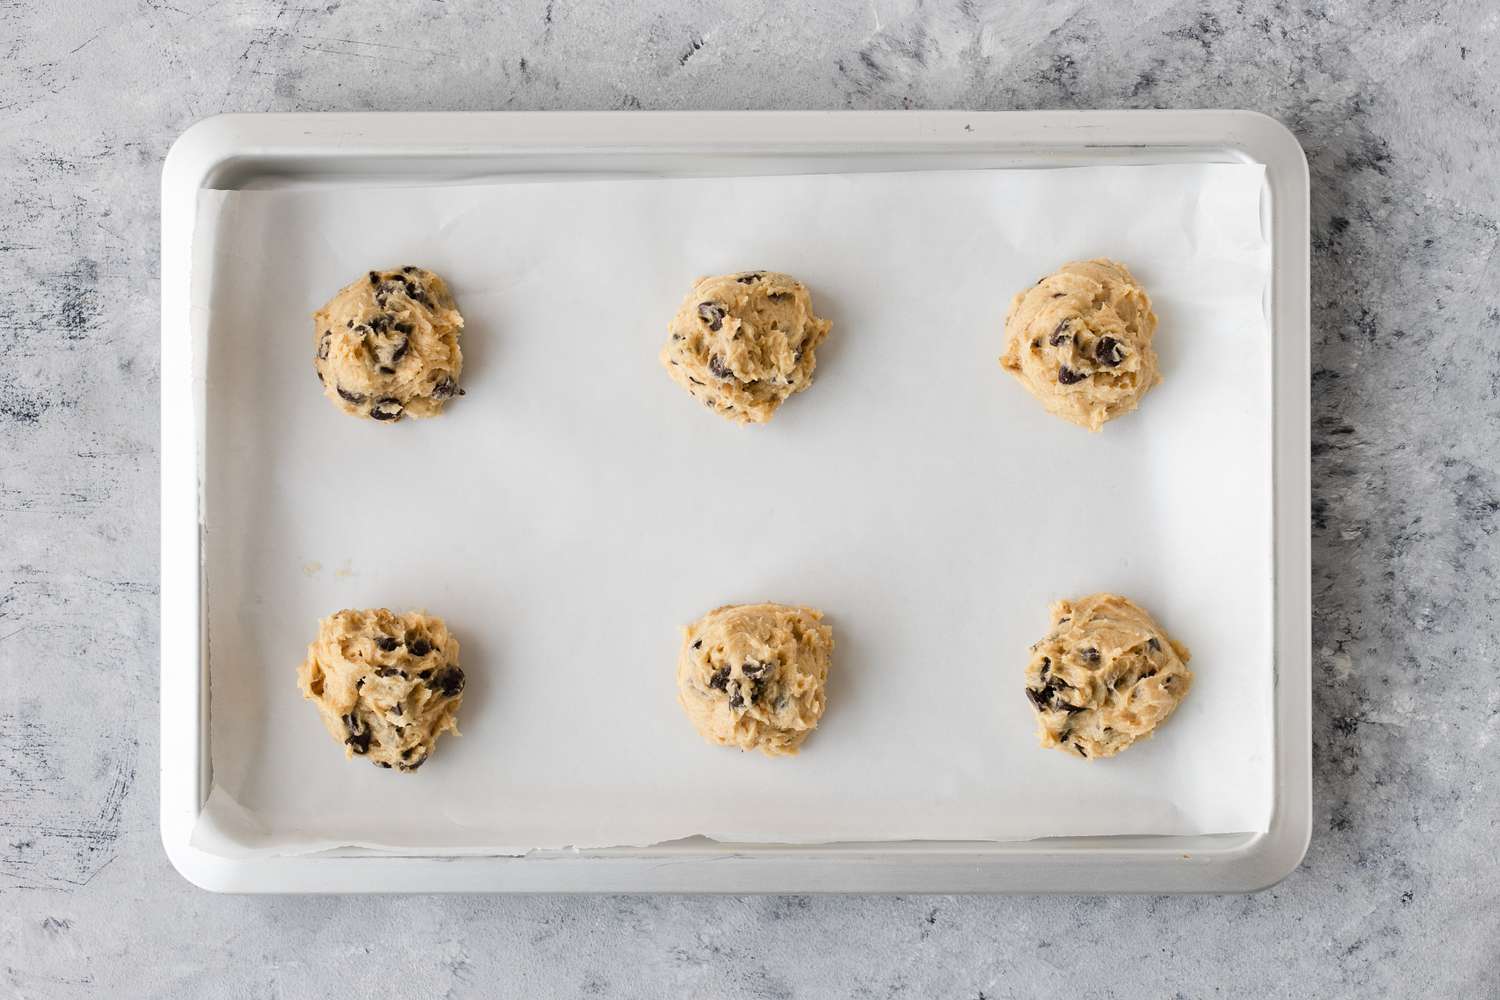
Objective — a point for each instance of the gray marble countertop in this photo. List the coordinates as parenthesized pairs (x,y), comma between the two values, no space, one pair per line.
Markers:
(1396,105)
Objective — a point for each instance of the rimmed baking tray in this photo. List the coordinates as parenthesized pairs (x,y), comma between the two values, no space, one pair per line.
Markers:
(238,152)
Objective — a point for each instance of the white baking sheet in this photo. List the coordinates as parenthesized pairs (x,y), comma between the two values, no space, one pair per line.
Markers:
(576,507)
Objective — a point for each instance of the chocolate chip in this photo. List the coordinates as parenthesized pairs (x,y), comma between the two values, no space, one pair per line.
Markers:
(386,408)
(414,764)
(694,381)
(397,709)
(717,367)
(797,356)
(1036,343)
(374,278)
(1107,350)
(1090,655)
(385,370)
(1057,295)
(320,377)
(711,313)
(444,388)
(404,327)
(387,644)
(323,345)
(751,278)
(720,679)
(386,672)
(407,752)
(349,323)
(383,763)
(400,351)
(359,684)
(1068,376)
(698,644)
(424,675)
(736,700)
(753,669)
(419,647)
(1047,698)
(450,681)
(380,323)
(1153,645)
(1060,335)
(358,740)
(779,296)
(408,269)
(413,292)
(1081,751)
(350,397)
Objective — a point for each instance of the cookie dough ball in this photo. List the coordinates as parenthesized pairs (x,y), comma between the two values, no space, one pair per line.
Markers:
(743,343)
(387,345)
(386,685)
(752,675)
(1080,341)
(1104,677)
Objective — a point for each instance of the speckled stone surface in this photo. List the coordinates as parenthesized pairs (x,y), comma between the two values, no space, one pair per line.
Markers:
(1395,103)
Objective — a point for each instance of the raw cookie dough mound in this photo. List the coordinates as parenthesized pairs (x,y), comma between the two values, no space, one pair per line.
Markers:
(387,345)
(1105,676)
(387,685)
(752,675)
(1080,341)
(744,342)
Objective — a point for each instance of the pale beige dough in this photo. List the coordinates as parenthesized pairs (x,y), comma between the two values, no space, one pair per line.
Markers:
(753,675)
(1080,341)
(386,346)
(1105,676)
(742,343)
(386,685)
